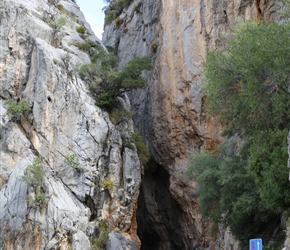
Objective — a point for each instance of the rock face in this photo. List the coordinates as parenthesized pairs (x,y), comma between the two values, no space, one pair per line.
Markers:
(170,110)
(38,61)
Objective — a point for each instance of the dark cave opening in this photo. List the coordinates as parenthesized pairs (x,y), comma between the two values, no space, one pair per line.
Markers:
(158,214)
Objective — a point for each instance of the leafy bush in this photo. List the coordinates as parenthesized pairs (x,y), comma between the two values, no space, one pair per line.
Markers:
(131,139)
(15,110)
(56,23)
(229,194)
(108,184)
(33,173)
(81,29)
(86,46)
(106,83)
(247,88)
(115,9)
(247,84)
(72,160)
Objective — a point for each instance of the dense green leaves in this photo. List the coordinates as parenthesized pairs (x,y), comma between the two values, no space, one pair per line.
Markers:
(229,194)
(115,9)
(33,173)
(106,82)
(15,110)
(247,86)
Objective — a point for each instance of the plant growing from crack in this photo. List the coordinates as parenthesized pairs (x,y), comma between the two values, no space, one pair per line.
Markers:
(16,110)
(33,174)
(72,160)
(108,184)
(56,23)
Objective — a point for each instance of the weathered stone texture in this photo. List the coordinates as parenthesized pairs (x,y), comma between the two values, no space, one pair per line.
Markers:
(170,110)
(63,121)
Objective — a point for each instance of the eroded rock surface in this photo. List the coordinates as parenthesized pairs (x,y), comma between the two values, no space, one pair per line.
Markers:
(170,110)
(63,121)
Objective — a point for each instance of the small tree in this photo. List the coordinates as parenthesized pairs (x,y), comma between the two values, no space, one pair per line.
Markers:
(229,194)
(15,110)
(33,174)
(106,83)
(248,84)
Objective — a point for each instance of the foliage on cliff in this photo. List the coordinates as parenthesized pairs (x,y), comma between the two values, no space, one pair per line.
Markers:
(115,8)
(106,82)
(247,87)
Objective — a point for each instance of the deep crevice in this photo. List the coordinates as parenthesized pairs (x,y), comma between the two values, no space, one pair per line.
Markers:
(158,214)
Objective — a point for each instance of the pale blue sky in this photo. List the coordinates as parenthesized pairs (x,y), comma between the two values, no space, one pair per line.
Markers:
(94,15)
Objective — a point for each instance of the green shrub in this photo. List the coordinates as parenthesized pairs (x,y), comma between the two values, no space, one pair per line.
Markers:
(86,46)
(15,110)
(106,83)
(39,200)
(247,89)
(108,184)
(115,9)
(131,139)
(72,160)
(110,16)
(229,194)
(33,174)
(55,61)
(56,23)
(247,84)
(81,29)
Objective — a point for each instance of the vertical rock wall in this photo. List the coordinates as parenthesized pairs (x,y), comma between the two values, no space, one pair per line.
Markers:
(170,110)
(63,121)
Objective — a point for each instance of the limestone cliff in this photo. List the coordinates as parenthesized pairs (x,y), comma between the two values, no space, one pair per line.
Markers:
(38,61)
(170,110)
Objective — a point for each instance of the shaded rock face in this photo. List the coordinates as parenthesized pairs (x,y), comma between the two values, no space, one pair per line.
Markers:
(63,121)
(170,111)
(159,216)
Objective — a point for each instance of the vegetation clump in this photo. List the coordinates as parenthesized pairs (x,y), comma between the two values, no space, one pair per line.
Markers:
(115,9)
(72,159)
(15,110)
(56,23)
(106,83)
(87,46)
(247,89)
(108,184)
(81,30)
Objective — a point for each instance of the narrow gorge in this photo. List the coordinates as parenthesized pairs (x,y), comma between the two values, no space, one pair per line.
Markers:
(94,191)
